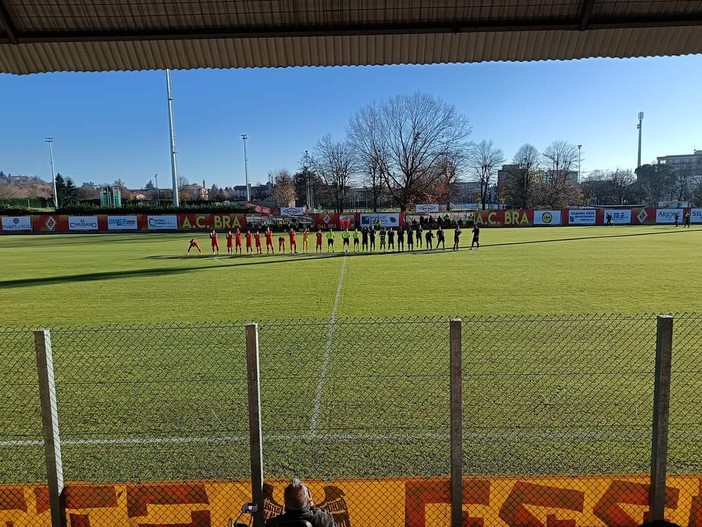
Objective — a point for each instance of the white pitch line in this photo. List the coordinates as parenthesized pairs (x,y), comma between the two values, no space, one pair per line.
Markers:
(327,354)
(472,436)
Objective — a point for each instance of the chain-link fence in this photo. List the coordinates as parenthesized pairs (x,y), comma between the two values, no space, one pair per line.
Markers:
(557,415)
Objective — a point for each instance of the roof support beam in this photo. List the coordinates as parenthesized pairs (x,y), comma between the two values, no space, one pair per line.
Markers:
(7,24)
(458,26)
(586,13)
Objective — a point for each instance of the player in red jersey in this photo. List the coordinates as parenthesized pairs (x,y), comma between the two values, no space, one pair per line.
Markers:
(194,244)
(230,243)
(249,242)
(293,240)
(269,241)
(237,238)
(215,242)
(257,240)
(281,244)
(319,241)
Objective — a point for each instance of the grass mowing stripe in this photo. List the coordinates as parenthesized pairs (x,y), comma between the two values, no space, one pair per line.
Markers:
(327,353)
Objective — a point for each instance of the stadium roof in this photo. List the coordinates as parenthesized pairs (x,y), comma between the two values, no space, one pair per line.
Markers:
(96,35)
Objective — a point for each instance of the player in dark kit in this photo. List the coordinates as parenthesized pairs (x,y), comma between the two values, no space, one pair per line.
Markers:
(686,220)
(391,240)
(410,240)
(476,238)
(400,240)
(371,235)
(676,219)
(456,238)
(609,220)
(430,239)
(419,235)
(194,244)
(383,235)
(440,238)
(364,239)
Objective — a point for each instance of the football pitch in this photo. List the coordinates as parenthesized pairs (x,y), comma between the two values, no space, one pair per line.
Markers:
(549,388)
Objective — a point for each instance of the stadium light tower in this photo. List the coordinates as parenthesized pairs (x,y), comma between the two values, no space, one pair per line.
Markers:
(579,147)
(639,126)
(50,142)
(158,194)
(244,137)
(174,166)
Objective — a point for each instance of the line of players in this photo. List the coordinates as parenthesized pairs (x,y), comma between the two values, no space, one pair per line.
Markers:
(363,240)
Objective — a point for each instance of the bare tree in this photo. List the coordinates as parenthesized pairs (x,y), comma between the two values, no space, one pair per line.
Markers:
(519,190)
(407,138)
(283,190)
(365,135)
(621,181)
(558,189)
(484,160)
(334,162)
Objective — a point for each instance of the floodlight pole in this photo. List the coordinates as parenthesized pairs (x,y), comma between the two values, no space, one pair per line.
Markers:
(640,126)
(579,147)
(174,166)
(244,137)
(158,194)
(50,142)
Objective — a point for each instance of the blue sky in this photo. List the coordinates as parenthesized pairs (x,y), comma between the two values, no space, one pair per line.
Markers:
(114,125)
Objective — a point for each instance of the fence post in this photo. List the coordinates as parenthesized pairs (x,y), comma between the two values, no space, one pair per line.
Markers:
(255,434)
(50,424)
(456,425)
(661,407)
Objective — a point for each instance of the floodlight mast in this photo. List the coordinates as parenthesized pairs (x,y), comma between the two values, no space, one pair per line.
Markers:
(171,128)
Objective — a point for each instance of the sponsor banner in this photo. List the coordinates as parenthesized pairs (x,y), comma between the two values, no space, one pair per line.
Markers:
(162,223)
(16,223)
(669,215)
(82,223)
(503,218)
(205,222)
(50,223)
(266,211)
(619,216)
(292,211)
(645,216)
(346,221)
(389,219)
(614,501)
(695,215)
(327,220)
(582,217)
(121,223)
(423,208)
(547,217)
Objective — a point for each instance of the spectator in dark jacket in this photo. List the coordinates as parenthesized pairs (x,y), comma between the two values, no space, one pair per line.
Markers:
(299,506)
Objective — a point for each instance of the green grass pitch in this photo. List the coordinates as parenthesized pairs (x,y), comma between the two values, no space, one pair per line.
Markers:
(343,399)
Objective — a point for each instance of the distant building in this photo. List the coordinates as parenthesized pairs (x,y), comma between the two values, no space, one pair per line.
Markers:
(691,162)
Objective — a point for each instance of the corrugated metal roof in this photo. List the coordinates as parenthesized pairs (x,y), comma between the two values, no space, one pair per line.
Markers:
(97,35)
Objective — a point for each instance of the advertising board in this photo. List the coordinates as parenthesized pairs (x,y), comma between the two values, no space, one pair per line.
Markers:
(547,217)
(163,223)
(423,208)
(582,217)
(669,215)
(292,211)
(388,219)
(82,223)
(16,223)
(695,215)
(122,223)
(619,216)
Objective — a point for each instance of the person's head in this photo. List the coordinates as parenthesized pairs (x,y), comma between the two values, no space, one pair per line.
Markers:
(296,495)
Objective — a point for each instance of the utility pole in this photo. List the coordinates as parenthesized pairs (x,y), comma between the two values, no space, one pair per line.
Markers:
(579,147)
(639,126)
(174,167)
(244,137)
(50,142)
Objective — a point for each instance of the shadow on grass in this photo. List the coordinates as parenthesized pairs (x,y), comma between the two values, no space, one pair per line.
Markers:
(264,259)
